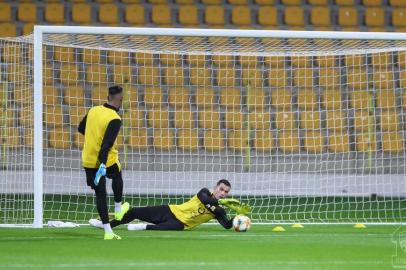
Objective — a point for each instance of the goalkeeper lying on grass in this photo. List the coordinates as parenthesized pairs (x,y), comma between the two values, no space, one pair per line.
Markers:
(199,209)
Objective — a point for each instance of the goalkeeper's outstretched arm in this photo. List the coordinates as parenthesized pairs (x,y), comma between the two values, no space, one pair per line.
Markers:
(212,205)
(222,218)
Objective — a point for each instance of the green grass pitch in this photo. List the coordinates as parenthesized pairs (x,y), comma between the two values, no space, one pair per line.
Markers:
(207,247)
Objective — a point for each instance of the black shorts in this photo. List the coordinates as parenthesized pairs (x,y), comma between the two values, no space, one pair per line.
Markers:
(111,172)
(161,216)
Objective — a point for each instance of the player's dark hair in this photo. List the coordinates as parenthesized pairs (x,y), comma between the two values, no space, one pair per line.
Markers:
(115,89)
(225,182)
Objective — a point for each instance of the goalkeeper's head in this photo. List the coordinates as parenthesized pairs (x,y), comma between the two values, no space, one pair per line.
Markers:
(221,189)
(115,97)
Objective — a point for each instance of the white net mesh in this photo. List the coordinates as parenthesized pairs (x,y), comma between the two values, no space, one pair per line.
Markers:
(306,130)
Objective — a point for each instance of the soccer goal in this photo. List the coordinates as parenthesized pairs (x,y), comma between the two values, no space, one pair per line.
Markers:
(309,127)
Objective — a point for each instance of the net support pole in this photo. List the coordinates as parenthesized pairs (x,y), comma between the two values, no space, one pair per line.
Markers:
(38,162)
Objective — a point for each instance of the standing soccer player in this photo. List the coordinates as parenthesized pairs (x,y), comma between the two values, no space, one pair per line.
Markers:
(101,126)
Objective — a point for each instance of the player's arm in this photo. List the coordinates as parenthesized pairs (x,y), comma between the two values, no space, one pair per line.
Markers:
(109,138)
(222,218)
(82,125)
(206,198)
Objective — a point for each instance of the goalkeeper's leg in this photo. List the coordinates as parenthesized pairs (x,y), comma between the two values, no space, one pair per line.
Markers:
(114,172)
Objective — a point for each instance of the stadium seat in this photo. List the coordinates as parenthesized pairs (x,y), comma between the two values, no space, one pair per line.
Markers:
(235,120)
(48,75)
(291,2)
(264,2)
(360,99)
(12,137)
(319,2)
(263,140)
(171,59)
(336,121)
(383,78)
(347,17)
(82,13)
(174,76)
(226,77)
(310,120)
(365,142)
(23,96)
(27,12)
(196,60)
(28,137)
(363,121)
(253,77)
(268,16)
(344,2)
(161,14)
(138,138)
(50,96)
(326,61)
(355,61)
(26,117)
(382,60)
(386,99)
(213,140)
(392,142)
(11,53)
(209,119)
(303,77)
(205,98)
(179,97)
(399,17)
(53,116)
(18,73)
(281,98)
(28,28)
(200,76)
(402,78)
(188,139)
(330,78)
(8,30)
(371,3)
(314,142)
(256,99)
(230,98)
(238,140)
(64,54)
(90,56)
(5,12)
(122,74)
(338,143)
(7,118)
(188,15)
(163,139)
(289,141)
(130,99)
(277,77)
(214,16)
(320,16)
(76,115)
(158,118)
(59,138)
(96,74)
(237,2)
(135,14)
(144,59)
(99,94)
(331,99)
(223,61)
(397,3)
(108,14)
(212,2)
(260,120)
(301,61)
(54,13)
(153,97)
(133,118)
(118,58)
(149,75)
(241,16)
(285,120)
(307,99)
(294,16)
(69,74)
(389,120)
(357,78)
(184,118)
(248,62)
(374,16)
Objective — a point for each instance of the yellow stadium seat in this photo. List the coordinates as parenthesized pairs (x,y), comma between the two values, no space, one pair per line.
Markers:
(338,143)
(200,76)
(248,62)
(294,16)
(196,60)
(307,99)
(253,77)
(363,121)
(82,13)
(53,116)
(277,77)
(392,142)
(118,58)
(50,96)
(26,117)
(230,98)
(163,139)
(383,79)
(303,77)
(55,13)
(18,73)
(185,2)
(135,14)
(344,2)
(241,16)
(382,60)
(28,28)
(183,118)
(329,78)
(263,140)
(310,120)
(347,17)
(402,78)
(404,99)
(122,74)
(238,2)
(205,98)
(153,97)
(161,15)
(326,61)
(27,12)
(90,56)
(11,53)
(138,138)
(318,2)
(64,54)
(355,61)
(264,2)
(291,2)
(28,139)
(235,120)
(213,140)
(285,120)
(69,74)
(96,74)
(289,141)
(226,77)
(357,78)
(23,95)
(374,16)
(336,121)
(267,16)
(134,118)
(360,99)
(212,2)
(256,99)
(301,61)
(148,75)
(174,76)
(170,59)
(365,142)
(179,97)
(399,17)
(238,140)
(320,16)
(281,98)
(10,137)
(214,16)
(209,119)
(158,118)
(372,2)
(5,12)
(188,139)
(48,75)
(389,120)
(99,94)
(108,14)
(223,61)
(130,98)
(8,30)
(76,115)
(397,3)
(260,120)
(386,99)
(7,118)
(314,142)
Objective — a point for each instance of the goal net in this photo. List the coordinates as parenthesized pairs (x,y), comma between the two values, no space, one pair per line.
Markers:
(306,129)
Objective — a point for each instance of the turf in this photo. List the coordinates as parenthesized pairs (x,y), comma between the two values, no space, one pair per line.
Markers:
(208,247)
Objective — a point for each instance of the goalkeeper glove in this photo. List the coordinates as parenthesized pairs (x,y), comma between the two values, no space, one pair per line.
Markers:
(240,208)
(100,172)
(229,202)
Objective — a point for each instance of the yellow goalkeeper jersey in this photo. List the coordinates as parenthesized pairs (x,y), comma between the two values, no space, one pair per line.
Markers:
(192,213)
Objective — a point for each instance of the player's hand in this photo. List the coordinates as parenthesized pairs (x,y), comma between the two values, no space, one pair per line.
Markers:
(100,172)
(229,202)
(243,209)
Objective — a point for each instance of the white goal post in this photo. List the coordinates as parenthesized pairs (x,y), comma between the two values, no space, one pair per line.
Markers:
(308,126)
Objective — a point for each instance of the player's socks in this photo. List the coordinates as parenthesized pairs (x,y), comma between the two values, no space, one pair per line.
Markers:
(111,236)
(96,223)
(117,207)
(107,228)
(137,227)
(124,209)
